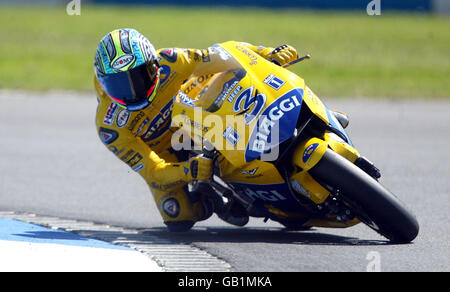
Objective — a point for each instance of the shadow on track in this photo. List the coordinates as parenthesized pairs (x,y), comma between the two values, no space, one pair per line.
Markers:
(258,235)
(51,235)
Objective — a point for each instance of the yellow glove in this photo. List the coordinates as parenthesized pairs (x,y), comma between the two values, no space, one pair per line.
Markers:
(281,55)
(198,168)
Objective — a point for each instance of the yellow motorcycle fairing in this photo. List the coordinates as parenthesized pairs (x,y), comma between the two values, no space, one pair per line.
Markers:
(235,111)
(228,118)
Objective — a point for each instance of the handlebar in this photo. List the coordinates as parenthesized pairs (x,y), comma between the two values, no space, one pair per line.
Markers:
(307,56)
(208,150)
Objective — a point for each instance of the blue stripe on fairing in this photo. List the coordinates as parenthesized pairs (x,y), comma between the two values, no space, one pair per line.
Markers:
(14,230)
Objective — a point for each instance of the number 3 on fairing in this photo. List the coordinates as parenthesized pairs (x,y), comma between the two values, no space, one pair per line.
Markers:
(258,102)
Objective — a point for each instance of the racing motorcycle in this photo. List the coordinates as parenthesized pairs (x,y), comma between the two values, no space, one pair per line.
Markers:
(279,152)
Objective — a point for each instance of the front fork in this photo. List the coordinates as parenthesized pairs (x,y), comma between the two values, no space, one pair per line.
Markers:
(306,156)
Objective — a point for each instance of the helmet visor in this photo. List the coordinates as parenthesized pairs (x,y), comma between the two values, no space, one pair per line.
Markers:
(131,87)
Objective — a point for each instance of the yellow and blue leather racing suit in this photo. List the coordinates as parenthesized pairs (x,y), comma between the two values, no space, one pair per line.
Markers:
(142,139)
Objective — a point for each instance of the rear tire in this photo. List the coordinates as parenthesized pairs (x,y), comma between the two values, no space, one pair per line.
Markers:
(372,203)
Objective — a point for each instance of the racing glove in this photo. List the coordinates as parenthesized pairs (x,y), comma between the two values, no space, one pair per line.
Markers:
(198,168)
(281,55)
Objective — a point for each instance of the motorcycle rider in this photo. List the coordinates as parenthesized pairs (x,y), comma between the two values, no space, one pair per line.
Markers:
(135,85)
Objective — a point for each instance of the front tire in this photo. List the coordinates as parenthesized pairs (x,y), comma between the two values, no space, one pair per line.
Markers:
(372,203)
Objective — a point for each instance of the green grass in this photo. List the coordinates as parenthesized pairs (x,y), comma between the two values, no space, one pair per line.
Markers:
(392,55)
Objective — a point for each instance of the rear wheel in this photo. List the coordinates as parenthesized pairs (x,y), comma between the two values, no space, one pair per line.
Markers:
(372,203)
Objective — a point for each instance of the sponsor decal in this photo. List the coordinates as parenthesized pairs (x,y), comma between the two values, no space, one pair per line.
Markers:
(134,160)
(141,127)
(250,171)
(123,61)
(226,89)
(267,193)
(107,135)
(309,151)
(231,135)
(277,195)
(275,125)
(130,157)
(196,125)
(165,187)
(184,98)
(274,81)
(171,207)
(250,105)
(114,150)
(234,93)
(160,123)
(253,58)
(164,73)
(297,186)
(169,54)
(138,167)
(194,83)
(136,120)
(122,118)
(110,114)
(126,156)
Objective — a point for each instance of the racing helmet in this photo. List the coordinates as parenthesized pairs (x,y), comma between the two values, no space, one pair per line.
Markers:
(126,67)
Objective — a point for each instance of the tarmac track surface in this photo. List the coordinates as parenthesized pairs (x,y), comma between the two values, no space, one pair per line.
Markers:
(52,163)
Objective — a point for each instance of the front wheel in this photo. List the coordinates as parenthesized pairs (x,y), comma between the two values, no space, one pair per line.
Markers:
(372,203)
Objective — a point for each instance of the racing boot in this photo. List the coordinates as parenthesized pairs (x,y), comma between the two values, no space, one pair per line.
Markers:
(342,118)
